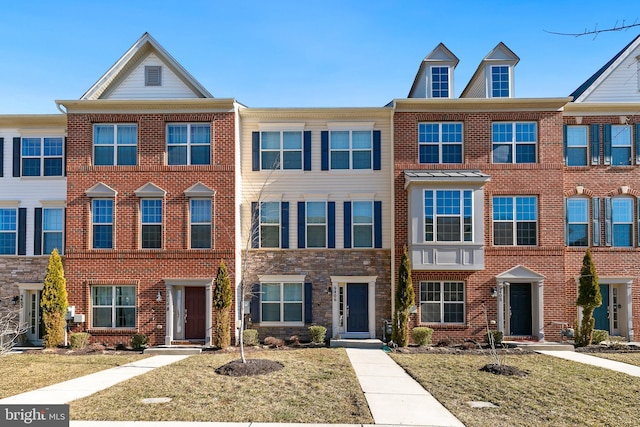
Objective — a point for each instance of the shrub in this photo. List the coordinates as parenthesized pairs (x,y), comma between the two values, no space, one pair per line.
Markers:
(422,335)
(250,337)
(317,333)
(79,340)
(599,335)
(139,341)
(497,337)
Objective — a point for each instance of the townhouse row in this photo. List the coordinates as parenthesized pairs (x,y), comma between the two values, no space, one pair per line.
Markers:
(147,183)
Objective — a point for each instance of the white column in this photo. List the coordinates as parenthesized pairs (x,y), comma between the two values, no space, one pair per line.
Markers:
(372,309)
(630,331)
(335,309)
(540,310)
(169,315)
(208,340)
(500,307)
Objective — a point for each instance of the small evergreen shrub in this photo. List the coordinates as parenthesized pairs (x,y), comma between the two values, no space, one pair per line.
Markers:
(497,337)
(79,340)
(317,333)
(422,335)
(250,337)
(599,335)
(139,341)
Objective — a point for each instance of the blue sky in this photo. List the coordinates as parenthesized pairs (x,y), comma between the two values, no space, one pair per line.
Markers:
(300,53)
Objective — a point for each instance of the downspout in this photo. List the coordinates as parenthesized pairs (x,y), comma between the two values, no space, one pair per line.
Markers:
(392,170)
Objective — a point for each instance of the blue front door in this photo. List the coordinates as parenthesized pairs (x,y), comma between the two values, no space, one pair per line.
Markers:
(520,300)
(357,307)
(601,314)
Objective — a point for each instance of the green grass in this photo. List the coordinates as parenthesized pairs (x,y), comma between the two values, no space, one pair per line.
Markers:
(26,372)
(555,393)
(315,386)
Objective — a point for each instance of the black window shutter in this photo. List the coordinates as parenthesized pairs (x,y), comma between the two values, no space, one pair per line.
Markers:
(377,224)
(284,227)
(347,225)
(595,221)
(301,225)
(607,143)
(255,223)
(594,131)
(307,150)
(255,151)
(37,235)
(331,232)
(308,303)
(565,152)
(16,157)
(255,303)
(1,156)
(376,150)
(324,150)
(22,231)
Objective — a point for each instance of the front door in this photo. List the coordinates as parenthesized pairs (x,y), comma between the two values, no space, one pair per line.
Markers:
(194,313)
(601,314)
(357,307)
(35,326)
(520,302)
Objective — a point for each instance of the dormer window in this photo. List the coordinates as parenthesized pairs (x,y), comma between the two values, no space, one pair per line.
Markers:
(439,82)
(500,81)
(153,75)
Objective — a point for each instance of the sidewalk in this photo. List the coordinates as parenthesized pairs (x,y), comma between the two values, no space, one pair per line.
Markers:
(595,361)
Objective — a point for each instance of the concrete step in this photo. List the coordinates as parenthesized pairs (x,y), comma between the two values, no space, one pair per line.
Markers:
(172,350)
(357,343)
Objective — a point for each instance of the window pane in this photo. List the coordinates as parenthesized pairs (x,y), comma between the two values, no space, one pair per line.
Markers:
(270,292)
(502,208)
(270,141)
(270,159)
(316,236)
(103,156)
(125,317)
(448,229)
(362,236)
(126,295)
(102,295)
(293,312)
(102,211)
(621,156)
(525,153)
(200,134)
(502,132)
(316,212)
(200,155)
(200,211)
(292,140)
(622,235)
(453,313)
(502,153)
(270,213)
(576,156)
(8,220)
(177,134)
(30,167)
(151,211)
(292,160)
(362,212)
(340,140)
(201,236)
(103,134)
(102,317)
(102,237)
(52,147)
(127,134)
(269,236)
(526,233)
(429,154)
(127,156)
(362,159)
(451,153)
(578,210)
(53,167)
(361,140)
(578,235)
(151,236)
(448,202)
(270,312)
(52,240)
(7,243)
(31,147)
(339,160)
(503,233)
(428,132)
(292,291)
(526,209)
(430,313)
(177,155)
(622,210)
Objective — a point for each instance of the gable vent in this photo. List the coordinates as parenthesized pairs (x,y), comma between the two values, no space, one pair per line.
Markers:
(152,75)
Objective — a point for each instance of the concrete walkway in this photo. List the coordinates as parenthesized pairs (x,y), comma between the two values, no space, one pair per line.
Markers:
(84,386)
(394,397)
(595,361)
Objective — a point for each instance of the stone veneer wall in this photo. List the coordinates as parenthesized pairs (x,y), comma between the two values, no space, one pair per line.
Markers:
(318,265)
(19,269)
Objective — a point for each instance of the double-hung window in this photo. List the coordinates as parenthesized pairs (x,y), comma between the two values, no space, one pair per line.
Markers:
(102,215)
(200,217)
(362,224)
(577,150)
(8,231)
(440,142)
(351,149)
(622,221)
(509,138)
(281,150)
(151,215)
(515,220)
(113,306)
(41,156)
(52,229)
(500,81)
(189,144)
(282,302)
(270,224)
(577,215)
(620,145)
(440,82)
(115,144)
(316,224)
(448,216)
(442,302)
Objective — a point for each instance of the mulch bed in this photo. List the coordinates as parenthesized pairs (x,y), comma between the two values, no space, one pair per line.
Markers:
(236,368)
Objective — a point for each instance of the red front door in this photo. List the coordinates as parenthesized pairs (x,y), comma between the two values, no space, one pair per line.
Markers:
(194,319)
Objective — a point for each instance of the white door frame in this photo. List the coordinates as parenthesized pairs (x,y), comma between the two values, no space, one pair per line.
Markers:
(27,289)
(339,328)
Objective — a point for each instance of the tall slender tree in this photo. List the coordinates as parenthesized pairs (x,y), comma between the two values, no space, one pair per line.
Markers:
(222,295)
(405,298)
(589,297)
(54,302)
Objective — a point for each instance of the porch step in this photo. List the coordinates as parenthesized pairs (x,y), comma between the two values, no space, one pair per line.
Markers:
(541,346)
(357,343)
(172,350)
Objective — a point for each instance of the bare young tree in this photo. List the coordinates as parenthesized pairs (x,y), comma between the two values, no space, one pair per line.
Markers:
(596,31)
(10,327)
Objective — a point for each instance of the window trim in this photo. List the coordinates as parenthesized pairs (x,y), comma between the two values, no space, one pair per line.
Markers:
(514,143)
(441,143)
(441,303)
(143,224)
(114,144)
(616,132)
(282,303)
(491,80)
(371,224)
(514,221)
(61,231)
(189,145)
(114,307)
(463,193)
(42,157)
(307,224)
(192,223)
(278,225)
(111,224)
(15,230)
(432,82)
(568,223)
(350,150)
(630,223)
(281,150)
(576,147)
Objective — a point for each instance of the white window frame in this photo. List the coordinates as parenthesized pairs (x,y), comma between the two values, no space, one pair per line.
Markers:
(143,223)
(188,144)
(114,307)
(585,223)
(621,139)
(630,223)
(432,82)
(514,143)
(281,150)
(514,221)
(308,225)
(575,142)
(200,223)
(491,80)
(94,223)
(461,215)
(354,224)
(42,157)
(114,143)
(269,224)
(9,231)
(442,302)
(440,142)
(281,302)
(350,150)
(45,231)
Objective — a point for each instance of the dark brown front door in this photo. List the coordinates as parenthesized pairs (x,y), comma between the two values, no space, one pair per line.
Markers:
(194,305)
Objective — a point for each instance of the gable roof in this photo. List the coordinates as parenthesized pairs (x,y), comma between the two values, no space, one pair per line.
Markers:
(140,50)
(441,54)
(499,54)
(597,78)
